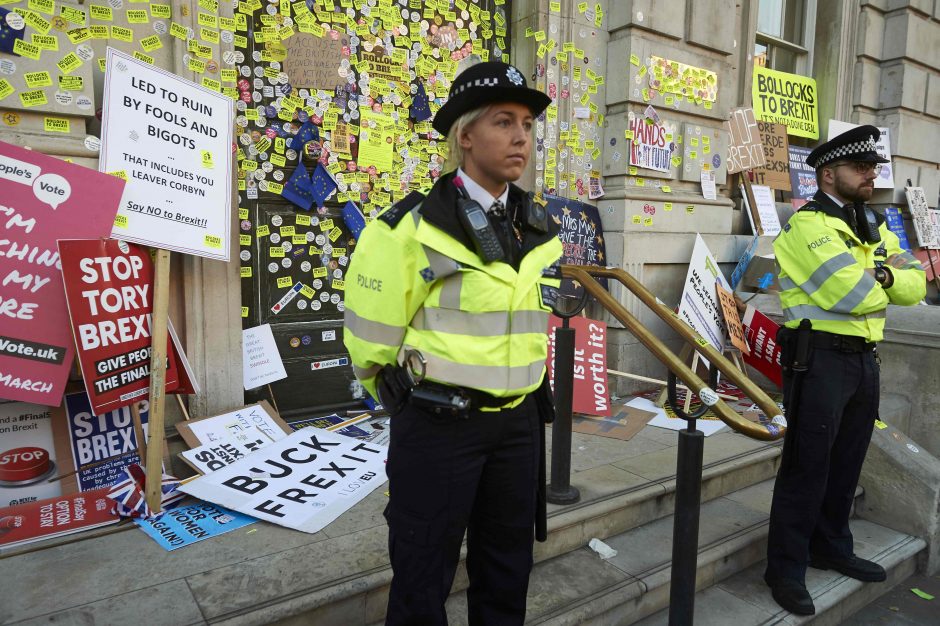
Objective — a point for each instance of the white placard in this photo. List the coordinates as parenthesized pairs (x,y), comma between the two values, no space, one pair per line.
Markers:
(708,185)
(173,140)
(261,361)
(213,456)
(924,227)
(663,420)
(253,418)
(304,481)
(699,307)
(766,210)
(885,179)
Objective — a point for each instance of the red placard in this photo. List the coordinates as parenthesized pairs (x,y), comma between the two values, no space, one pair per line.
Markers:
(55,517)
(591,392)
(761,332)
(42,199)
(109,286)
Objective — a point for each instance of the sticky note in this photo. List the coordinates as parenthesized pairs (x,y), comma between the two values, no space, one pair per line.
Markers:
(245,271)
(33,98)
(56,125)
(69,63)
(27,50)
(37,79)
(120,221)
(5,88)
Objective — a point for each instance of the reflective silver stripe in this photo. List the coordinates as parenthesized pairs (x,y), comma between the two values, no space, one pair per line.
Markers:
(442,265)
(450,292)
(786,284)
(373,332)
(907,256)
(488,324)
(813,312)
(824,271)
(493,377)
(853,298)
(364,373)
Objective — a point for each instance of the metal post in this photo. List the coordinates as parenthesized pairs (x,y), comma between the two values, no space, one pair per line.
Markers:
(685,527)
(560,490)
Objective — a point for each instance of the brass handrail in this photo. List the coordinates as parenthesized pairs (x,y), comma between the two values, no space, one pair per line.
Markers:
(775,429)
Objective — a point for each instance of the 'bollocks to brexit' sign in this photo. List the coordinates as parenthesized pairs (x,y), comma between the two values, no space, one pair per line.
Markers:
(787,99)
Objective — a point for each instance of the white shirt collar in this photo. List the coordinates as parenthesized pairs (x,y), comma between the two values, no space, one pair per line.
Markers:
(478,193)
(838,202)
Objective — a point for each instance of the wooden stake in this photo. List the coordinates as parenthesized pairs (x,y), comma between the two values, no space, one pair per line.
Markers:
(752,204)
(179,401)
(273,401)
(155,425)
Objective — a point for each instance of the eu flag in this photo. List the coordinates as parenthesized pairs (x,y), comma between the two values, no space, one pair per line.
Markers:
(307,132)
(322,184)
(420,109)
(354,219)
(8,36)
(297,189)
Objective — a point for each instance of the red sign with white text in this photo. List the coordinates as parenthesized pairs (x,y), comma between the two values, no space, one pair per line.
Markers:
(42,199)
(591,392)
(761,332)
(109,285)
(55,517)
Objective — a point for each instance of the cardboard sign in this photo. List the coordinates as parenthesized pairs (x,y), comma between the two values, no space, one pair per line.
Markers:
(109,286)
(732,322)
(42,199)
(764,354)
(313,62)
(787,99)
(745,150)
(172,140)
(55,517)
(650,148)
(885,179)
(261,361)
(591,393)
(626,423)
(304,481)
(216,428)
(28,456)
(218,454)
(766,210)
(185,525)
(776,173)
(924,227)
(699,307)
(803,184)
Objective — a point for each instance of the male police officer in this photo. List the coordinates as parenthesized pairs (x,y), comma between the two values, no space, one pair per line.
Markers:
(839,268)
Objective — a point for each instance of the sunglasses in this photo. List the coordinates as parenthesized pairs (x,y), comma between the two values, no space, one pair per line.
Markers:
(861,167)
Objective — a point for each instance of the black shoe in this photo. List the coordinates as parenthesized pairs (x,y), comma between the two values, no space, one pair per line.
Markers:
(853,567)
(792,595)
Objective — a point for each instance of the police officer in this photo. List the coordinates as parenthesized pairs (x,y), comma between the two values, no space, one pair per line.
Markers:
(457,286)
(840,267)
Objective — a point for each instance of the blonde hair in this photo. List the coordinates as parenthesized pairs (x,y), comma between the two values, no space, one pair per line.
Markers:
(454,149)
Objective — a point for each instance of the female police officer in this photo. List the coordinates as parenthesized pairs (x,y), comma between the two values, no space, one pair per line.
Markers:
(458,286)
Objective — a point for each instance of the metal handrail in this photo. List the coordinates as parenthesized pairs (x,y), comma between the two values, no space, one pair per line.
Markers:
(771,431)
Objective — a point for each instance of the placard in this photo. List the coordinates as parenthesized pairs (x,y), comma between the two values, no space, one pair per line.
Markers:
(28,456)
(185,525)
(766,210)
(699,307)
(109,286)
(376,141)
(582,237)
(764,355)
(650,149)
(885,178)
(803,185)
(745,150)
(261,361)
(776,173)
(924,227)
(216,455)
(42,199)
(216,428)
(732,322)
(744,261)
(55,517)
(313,62)
(172,140)
(787,99)
(895,223)
(591,395)
(304,481)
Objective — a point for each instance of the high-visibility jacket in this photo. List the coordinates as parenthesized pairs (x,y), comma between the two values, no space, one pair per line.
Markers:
(822,273)
(415,282)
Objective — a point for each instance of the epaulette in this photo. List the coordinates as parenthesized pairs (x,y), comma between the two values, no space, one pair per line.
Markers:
(401,208)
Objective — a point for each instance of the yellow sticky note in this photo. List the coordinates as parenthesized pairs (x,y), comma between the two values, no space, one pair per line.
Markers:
(245,271)
(45,42)
(5,88)
(666,188)
(69,63)
(690,209)
(263,230)
(100,13)
(27,50)
(637,219)
(56,125)
(667,206)
(37,79)
(137,16)
(120,221)
(33,98)
(880,425)
(140,56)
(244,308)
(151,43)
(213,241)
(122,34)
(244,240)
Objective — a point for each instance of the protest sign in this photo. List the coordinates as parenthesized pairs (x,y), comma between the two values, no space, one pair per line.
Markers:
(212,456)
(172,141)
(732,321)
(885,178)
(581,235)
(313,62)
(261,361)
(42,199)
(924,227)
(764,355)
(109,289)
(765,210)
(699,307)
(55,517)
(776,173)
(591,395)
(376,141)
(744,261)
(101,444)
(28,456)
(787,99)
(650,149)
(216,428)
(745,150)
(895,222)
(802,177)
(185,525)
(304,481)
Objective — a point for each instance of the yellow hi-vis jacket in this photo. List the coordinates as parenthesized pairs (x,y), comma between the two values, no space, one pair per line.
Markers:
(415,282)
(822,274)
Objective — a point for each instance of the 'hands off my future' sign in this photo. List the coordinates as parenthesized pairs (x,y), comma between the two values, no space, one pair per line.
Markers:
(171,140)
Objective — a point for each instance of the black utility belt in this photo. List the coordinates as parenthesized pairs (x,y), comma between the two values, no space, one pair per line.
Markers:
(456,397)
(840,343)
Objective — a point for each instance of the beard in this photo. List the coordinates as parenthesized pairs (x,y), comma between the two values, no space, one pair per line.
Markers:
(854,193)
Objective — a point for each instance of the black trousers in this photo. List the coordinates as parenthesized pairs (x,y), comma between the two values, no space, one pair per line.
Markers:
(822,459)
(451,475)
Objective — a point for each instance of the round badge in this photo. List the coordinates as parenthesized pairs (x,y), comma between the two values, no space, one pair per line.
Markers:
(159,27)
(93,144)
(286,263)
(275,238)
(273,267)
(317,283)
(315,305)
(305,266)
(288,246)
(301,304)
(321,239)
(295,341)
(245,255)
(324,297)
(15,21)
(306,340)
(64,98)
(6,65)
(276,220)
(335,298)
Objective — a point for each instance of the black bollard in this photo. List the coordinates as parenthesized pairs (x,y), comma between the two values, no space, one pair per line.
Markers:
(685,527)
(560,490)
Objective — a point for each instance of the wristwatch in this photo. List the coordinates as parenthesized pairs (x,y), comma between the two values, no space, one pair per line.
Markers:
(881,275)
